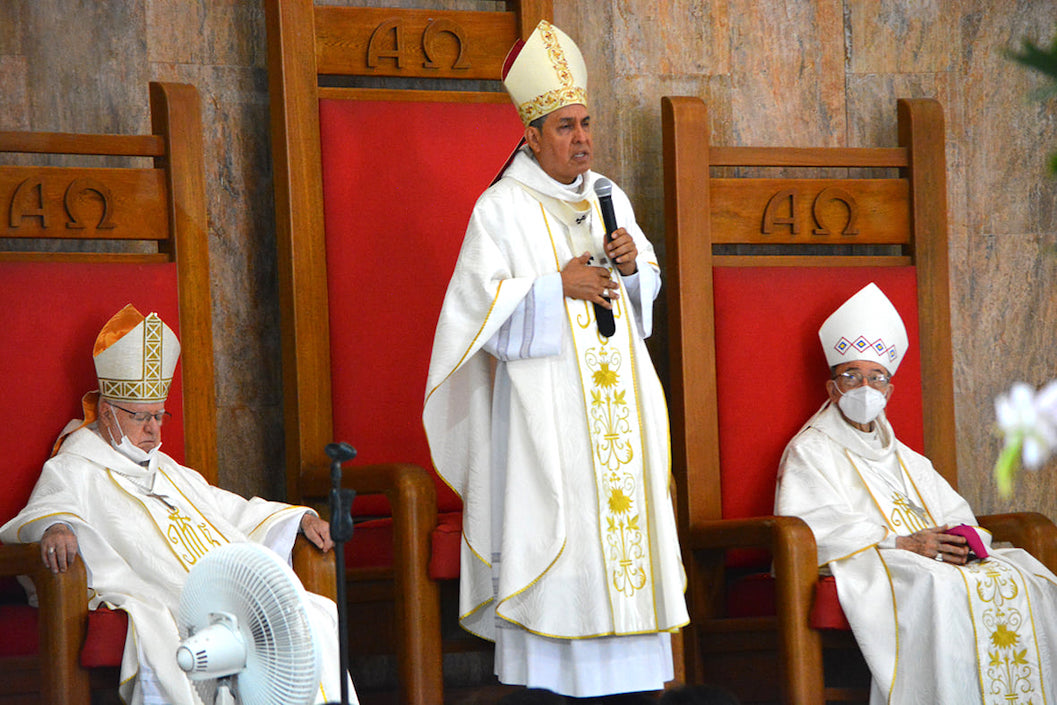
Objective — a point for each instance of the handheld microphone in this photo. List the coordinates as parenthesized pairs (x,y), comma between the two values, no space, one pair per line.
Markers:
(604,189)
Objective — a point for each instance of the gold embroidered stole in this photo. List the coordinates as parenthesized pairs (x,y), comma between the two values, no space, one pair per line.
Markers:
(613,419)
(1006,644)
(1007,654)
(188,534)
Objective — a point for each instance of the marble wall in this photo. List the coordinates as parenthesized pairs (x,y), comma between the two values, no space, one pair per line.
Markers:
(792,72)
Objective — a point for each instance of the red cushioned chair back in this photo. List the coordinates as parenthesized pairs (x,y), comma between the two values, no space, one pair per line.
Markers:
(50,314)
(399,182)
(771,370)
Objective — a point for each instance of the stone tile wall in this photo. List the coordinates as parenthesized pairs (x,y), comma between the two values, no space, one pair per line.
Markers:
(799,72)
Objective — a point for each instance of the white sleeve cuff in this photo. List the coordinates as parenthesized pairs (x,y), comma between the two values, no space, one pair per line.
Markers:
(534,329)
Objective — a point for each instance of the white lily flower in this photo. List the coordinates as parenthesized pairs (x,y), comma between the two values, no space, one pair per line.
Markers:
(1030,419)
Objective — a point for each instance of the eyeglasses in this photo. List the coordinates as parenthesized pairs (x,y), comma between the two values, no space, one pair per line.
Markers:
(847,381)
(142,417)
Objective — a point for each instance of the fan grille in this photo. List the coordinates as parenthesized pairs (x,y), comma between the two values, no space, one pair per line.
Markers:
(253,584)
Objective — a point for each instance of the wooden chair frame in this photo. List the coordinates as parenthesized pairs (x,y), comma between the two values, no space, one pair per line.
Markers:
(305,44)
(693,233)
(176,148)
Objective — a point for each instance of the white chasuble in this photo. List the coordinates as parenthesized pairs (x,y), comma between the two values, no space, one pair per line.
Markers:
(140,531)
(561,459)
(187,533)
(931,632)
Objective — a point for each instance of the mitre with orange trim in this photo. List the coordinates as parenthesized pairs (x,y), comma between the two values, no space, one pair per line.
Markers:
(544,73)
(135,357)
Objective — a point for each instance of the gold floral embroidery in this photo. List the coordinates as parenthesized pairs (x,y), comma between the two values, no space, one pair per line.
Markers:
(624,540)
(550,101)
(608,410)
(611,433)
(1011,673)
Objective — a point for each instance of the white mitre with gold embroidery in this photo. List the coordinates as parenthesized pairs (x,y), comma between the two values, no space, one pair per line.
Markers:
(135,357)
(865,327)
(545,73)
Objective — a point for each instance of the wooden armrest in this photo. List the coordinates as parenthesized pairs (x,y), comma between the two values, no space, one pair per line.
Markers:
(402,481)
(413,498)
(1032,531)
(792,546)
(315,569)
(795,562)
(62,624)
(756,532)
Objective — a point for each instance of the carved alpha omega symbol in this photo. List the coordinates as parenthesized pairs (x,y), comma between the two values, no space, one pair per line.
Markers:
(28,203)
(777,202)
(387,42)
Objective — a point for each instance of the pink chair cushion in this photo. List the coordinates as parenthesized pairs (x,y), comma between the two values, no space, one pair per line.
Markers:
(399,181)
(772,371)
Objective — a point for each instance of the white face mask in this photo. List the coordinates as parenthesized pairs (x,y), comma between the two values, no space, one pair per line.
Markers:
(862,404)
(128,449)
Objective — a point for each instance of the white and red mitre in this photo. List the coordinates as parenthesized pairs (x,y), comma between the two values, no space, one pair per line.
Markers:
(135,357)
(865,327)
(544,73)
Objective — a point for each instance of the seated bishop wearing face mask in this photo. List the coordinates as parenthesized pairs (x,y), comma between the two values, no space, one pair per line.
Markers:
(140,521)
(941,618)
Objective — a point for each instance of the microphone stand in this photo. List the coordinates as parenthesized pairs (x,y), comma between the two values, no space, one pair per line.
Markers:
(340,532)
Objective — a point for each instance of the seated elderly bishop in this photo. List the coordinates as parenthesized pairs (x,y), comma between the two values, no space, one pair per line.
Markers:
(140,521)
(941,615)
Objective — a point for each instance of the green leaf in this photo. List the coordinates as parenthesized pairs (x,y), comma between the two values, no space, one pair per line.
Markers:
(1007,465)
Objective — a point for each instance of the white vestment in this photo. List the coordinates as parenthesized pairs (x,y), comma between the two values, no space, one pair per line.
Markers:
(930,632)
(508,427)
(140,531)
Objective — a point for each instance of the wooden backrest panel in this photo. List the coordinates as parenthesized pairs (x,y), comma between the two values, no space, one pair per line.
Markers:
(315,53)
(53,303)
(83,203)
(413,43)
(811,242)
(792,211)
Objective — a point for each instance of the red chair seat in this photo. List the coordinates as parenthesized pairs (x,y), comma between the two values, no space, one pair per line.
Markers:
(371,545)
(20,631)
(104,644)
(103,647)
(753,596)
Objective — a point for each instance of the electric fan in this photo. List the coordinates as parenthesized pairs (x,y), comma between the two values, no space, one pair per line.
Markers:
(245,630)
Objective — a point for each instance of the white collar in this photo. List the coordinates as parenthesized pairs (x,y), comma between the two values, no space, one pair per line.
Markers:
(525,169)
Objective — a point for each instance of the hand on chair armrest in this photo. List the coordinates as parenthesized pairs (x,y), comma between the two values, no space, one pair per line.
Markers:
(413,499)
(63,603)
(315,568)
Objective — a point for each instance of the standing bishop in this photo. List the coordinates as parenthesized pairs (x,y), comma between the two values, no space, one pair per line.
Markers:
(554,434)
